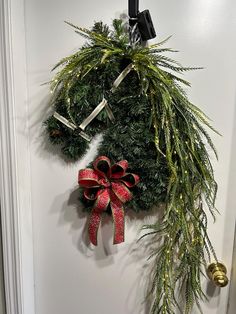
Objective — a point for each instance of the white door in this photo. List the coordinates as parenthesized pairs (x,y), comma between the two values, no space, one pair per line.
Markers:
(2,294)
(69,277)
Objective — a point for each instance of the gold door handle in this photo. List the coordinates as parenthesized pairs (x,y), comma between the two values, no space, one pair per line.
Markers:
(217,274)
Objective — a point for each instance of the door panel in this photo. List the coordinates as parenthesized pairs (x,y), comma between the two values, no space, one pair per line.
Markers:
(2,291)
(69,277)
(232,292)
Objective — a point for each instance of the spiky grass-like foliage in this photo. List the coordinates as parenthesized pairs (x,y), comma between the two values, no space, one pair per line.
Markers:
(162,135)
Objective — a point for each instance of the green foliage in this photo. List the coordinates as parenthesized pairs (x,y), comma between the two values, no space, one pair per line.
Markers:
(162,135)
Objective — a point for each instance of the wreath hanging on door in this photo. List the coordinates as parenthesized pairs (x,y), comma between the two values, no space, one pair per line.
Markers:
(154,151)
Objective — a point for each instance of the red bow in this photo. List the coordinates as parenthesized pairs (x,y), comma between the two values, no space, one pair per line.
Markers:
(107,185)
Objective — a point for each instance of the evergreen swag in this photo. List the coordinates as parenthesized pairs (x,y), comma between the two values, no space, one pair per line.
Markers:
(163,137)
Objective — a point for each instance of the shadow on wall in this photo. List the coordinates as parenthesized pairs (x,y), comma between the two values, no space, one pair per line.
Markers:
(131,254)
(73,213)
(69,211)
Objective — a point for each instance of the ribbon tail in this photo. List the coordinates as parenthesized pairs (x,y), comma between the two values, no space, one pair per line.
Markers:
(119,220)
(94,223)
(101,204)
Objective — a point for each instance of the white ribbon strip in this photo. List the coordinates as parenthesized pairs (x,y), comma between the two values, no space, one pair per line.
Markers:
(109,112)
(103,104)
(93,114)
(71,125)
(85,136)
(122,75)
(63,120)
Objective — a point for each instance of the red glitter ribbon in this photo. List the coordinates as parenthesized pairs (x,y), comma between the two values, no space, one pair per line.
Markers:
(107,185)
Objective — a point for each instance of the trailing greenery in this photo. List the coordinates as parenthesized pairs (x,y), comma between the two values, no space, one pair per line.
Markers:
(162,135)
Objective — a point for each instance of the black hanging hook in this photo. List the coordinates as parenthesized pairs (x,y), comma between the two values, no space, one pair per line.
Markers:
(142,19)
(133,9)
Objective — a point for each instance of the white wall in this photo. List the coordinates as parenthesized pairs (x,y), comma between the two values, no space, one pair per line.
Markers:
(70,276)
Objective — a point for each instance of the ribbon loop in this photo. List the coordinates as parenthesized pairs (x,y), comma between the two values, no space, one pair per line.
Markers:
(118,170)
(103,166)
(88,178)
(130,180)
(91,194)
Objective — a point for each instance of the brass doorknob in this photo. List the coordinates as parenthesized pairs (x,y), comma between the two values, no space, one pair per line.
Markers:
(217,274)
